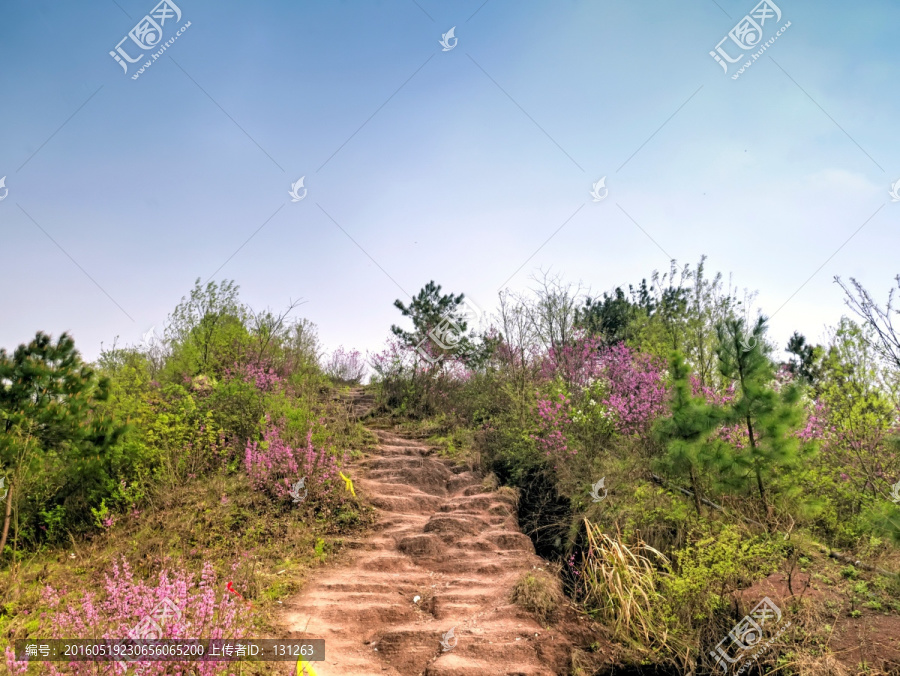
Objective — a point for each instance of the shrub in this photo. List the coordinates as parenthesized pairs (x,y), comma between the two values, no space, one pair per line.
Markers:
(198,613)
(553,420)
(274,465)
(346,367)
(637,393)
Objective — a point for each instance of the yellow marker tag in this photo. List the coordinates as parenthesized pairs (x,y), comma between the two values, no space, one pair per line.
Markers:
(305,669)
(349,482)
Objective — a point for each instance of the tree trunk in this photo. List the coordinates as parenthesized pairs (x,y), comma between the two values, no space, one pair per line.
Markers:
(759,481)
(696,491)
(6,519)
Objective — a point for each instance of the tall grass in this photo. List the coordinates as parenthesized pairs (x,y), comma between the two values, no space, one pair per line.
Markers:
(619,585)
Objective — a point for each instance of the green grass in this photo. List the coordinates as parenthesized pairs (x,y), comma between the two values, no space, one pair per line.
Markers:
(216,519)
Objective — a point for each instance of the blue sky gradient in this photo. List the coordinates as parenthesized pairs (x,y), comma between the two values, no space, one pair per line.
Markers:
(455,166)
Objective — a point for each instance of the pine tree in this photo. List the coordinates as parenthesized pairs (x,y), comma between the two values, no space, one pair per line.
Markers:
(426,311)
(772,455)
(440,320)
(48,421)
(806,362)
(685,434)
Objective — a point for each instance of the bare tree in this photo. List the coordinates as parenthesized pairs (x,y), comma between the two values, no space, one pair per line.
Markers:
(552,315)
(269,328)
(303,347)
(518,348)
(877,318)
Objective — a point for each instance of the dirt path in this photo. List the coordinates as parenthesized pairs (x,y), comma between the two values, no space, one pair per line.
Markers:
(442,537)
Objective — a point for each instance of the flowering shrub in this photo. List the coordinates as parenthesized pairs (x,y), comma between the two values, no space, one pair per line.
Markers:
(592,418)
(553,418)
(263,377)
(274,466)
(14,667)
(345,366)
(577,364)
(619,389)
(636,389)
(816,427)
(126,604)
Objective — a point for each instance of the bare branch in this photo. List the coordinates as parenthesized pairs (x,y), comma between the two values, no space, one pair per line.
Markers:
(879,319)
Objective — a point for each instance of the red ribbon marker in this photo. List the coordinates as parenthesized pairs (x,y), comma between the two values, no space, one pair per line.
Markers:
(231,589)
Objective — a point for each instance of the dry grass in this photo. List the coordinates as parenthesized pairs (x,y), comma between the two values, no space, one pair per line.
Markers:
(490,483)
(619,585)
(820,666)
(510,491)
(538,591)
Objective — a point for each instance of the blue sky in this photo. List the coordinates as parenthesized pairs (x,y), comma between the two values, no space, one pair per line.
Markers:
(451,165)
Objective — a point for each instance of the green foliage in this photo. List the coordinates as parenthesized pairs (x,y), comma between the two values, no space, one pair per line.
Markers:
(101,514)
(805,363)
(441,322)
(509,452)
(319,550)
(80,446)
(860,457)
(685,434)
(426,310)
(207,331)
(54,521)
(456,445)
(717,562)
(773,454)
(236,407)
(679,311)
(612,316)
(187,437)
(54,436)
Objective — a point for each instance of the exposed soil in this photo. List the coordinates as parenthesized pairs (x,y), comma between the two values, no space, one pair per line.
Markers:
(872,639)
(442,537)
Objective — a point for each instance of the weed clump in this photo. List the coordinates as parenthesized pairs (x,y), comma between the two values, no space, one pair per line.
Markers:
(538,592)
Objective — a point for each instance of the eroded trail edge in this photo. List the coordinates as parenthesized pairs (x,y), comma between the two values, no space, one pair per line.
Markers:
(440,535)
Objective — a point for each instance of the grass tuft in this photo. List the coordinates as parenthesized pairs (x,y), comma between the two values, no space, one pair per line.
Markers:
(538,592)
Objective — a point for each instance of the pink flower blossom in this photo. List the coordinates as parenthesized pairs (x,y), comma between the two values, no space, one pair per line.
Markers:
(124,603)
(554,417)
(637,393)
(274,465)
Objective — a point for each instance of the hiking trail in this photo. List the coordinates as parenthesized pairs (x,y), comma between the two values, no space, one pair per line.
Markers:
(440,535)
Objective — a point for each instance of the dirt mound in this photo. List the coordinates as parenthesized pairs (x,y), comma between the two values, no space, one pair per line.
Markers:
(443,558)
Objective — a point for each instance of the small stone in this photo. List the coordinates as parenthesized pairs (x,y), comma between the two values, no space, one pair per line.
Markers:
(416,599)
